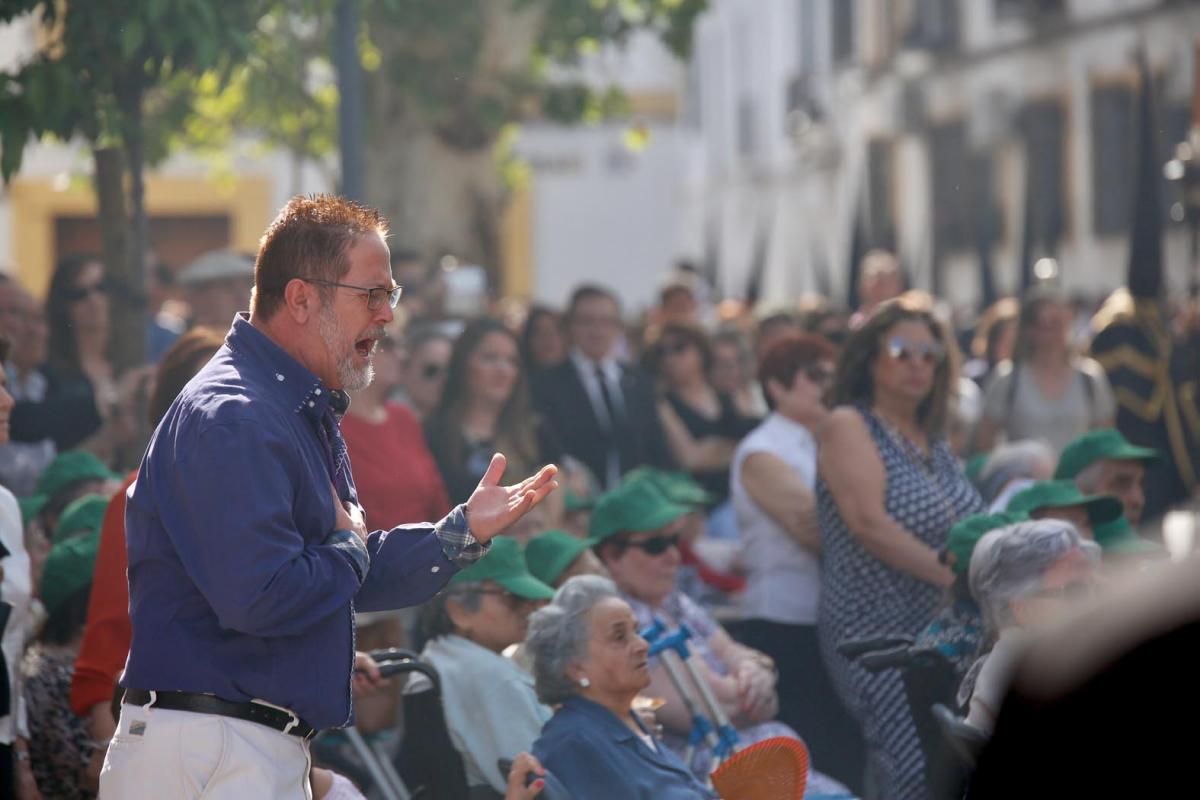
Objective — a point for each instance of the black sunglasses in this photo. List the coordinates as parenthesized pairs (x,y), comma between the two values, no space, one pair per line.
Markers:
(656,545)
(903,350)
(818,374)
(431,371)
(77,294)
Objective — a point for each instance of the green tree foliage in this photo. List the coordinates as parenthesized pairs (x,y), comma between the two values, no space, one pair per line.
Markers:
(120,74)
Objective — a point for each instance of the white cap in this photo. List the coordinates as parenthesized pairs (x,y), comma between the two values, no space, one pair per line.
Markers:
(217,265)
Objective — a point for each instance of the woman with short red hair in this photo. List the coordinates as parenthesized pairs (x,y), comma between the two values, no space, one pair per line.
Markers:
(773,481)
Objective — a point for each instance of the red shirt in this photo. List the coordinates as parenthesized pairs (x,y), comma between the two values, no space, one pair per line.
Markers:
(395,474)
(106,637)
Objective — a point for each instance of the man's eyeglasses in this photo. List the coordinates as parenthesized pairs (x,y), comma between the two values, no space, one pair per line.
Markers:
(655,545)
(79,293)
(376,295)
(903,350)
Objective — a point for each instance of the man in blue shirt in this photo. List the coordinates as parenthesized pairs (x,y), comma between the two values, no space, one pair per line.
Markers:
(248,554)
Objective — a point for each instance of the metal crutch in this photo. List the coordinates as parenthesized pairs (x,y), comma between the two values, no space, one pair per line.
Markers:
(701,730)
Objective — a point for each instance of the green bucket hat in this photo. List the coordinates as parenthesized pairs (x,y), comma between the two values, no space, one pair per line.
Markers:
(83,516)
(68,569)
(30,507)
(505,564)
(966,533)
(634,506)
(549,554)
(70,468)
(1052,494)
(1097,445)
(1118,537)
(678,487)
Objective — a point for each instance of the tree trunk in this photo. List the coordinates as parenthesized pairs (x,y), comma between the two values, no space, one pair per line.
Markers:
(114,235)
(442,199)
(128,342)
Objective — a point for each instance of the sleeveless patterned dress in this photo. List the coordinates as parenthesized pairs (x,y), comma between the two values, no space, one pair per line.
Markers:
(863,597)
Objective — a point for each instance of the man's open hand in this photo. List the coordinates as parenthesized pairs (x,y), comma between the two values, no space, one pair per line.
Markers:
(493,507)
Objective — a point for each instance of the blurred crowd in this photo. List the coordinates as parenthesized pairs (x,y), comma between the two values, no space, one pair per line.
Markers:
(781,483)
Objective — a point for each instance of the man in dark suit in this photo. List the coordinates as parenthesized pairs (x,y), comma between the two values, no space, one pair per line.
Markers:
(603,411)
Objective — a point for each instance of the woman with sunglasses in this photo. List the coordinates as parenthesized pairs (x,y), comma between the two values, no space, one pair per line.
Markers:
(492,711)
(889,489)
(1046,391)
(637,532)
(83,404)
(485,408)
(773,486)
(397,479)
(1023,576)
(423,375)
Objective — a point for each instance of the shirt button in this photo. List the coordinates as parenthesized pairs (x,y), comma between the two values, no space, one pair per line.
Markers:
(318,391)
(435,569)
(311,403)
(278,376)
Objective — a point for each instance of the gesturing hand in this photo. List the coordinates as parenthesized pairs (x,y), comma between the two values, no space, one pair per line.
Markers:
(493,507)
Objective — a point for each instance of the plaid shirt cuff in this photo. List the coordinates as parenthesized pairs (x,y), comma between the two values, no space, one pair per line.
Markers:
(457,542)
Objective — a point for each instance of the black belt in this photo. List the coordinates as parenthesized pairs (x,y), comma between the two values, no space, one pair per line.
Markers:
(273,718)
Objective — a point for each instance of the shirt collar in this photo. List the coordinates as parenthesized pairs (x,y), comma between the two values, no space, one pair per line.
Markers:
(587,365)
(617,730)
(294,384)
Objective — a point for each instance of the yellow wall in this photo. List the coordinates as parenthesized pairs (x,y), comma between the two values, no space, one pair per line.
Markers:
(36,203)
(516,237)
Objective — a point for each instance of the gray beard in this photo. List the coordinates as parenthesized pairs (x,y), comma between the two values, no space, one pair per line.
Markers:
(353,378)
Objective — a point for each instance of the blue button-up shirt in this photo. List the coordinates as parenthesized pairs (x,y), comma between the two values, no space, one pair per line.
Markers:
(239,586)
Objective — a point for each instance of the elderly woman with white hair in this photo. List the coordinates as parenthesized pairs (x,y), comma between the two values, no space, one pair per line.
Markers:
(1021,575)
(590,662)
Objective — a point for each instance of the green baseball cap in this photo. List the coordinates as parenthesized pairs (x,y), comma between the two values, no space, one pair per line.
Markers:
(633,506)
(549,554)
(1056,494)
(678,487)
(1097,445)
(71,468)
(966,533)
(1118,537)
(68,569)
(31,506)
(505,564)
(83,516)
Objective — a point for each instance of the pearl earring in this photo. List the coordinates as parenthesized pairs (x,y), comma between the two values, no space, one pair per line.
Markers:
(584,682)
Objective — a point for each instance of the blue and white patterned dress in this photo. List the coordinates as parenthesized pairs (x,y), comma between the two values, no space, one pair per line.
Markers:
(862,597)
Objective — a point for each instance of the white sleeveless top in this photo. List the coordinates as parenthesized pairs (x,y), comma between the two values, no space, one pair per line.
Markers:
(782,578)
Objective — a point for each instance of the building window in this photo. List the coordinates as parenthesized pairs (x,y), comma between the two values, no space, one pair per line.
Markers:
(1043,126)
(951,195)
(1113,141)
(882,217)
(1028,9)
(934,26)
(842,12)
(806,51)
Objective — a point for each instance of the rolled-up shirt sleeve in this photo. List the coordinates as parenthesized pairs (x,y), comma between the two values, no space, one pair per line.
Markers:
(411,563)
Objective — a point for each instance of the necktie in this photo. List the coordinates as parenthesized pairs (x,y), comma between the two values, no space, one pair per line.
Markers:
(610,407)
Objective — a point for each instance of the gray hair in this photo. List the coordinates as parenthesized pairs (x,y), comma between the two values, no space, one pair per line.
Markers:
(1011,461)
(558,635)
(1008,564)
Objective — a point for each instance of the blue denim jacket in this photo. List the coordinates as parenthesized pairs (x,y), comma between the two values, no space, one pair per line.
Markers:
(597,757)
(239,586)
